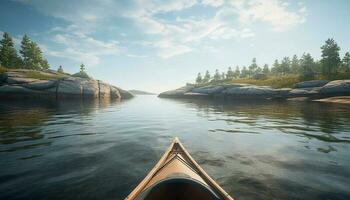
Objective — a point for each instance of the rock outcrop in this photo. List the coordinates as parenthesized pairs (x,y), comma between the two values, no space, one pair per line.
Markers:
(308,89)
(16,84)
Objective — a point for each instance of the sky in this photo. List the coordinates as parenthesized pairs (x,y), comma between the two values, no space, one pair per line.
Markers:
(156,45)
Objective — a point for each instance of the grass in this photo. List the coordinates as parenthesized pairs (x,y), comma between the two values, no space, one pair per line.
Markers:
(42,75)
(273,81)
(3,69)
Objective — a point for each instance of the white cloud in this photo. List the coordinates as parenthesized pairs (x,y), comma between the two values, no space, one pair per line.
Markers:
(214,3)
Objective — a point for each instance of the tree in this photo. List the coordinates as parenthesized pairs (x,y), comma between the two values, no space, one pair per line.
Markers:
(253,67)
(217,76)
(82,67)
(275,69)
(223,76)
(237,72)
(346,62)
(60,69)
(45,64)
(32,55)
(206,78)
(294,67)
(306,66)
(199,78)
(8,53)
(244,72)
(230,75)
(26,51)
(330,57)
(266,69)
(284,66)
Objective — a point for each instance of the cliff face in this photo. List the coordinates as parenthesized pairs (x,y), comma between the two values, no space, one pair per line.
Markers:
(18,84)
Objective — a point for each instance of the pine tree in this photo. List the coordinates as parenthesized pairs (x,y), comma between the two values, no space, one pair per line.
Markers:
(60,69)
(199,78)
(237,72)
(82,67)
(223,76)
(217,76)
(230,75)
(8,53)
(285,66)
(253,67)
(276,67)
(266,69)
(307,64)
(26,51)
(206,78)
(330,57)
(295,65)
(244,72)
(346,62)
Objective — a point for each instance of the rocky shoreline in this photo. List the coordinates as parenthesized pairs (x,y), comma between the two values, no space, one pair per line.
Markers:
(307,90)
(15,84)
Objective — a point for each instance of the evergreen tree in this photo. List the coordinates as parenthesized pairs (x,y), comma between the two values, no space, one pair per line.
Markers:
(237,72)
(207,77)
(295,65)
(82,67)
(32,55)
(244,72)
(8,53)
(346,62)
(223,76)
(199,78)
(258,70)
(276,67)
(217,76)
(285,66)
(230,75)
(26,51)
(307,64)
(45,64)
(60,69)
(253,67)
(266,69)
(330,57)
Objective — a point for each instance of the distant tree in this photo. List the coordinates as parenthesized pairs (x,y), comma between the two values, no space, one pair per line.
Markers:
(253,67)
(346,62)
(26,51)
(244,72)
(199,79)
(285,66)
(266,69)
(207,77)
(230,74)
(82,67)
(275,68)
(217,76)
(223,76)
(330,57)
(295,65)
(307,64)
(8,53)
(258,70)
(60,69)
(45,64)
(237,72)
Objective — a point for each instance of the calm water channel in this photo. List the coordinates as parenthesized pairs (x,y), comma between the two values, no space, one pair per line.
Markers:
(101,150)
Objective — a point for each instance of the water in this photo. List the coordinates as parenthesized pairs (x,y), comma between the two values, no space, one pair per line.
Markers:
(101,150)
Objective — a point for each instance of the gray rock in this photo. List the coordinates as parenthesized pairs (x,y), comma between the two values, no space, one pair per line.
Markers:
(302,93)
(176,93)
(41,84)
(90,88)
(15,89)
(311,84)
(338,87)
(251,91)
(208,90)
(115,94)
(105,90)
(19,80)
(123,93)
(70,86)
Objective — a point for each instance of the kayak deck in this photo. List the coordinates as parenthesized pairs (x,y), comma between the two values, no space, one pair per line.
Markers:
(177,176)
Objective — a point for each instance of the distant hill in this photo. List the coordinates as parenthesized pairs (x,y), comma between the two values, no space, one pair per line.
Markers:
(139,92)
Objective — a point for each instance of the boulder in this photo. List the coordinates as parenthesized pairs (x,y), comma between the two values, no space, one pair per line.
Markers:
(115,94)
(70,86)
(19,80)
(251,91)
(41,84)
(124,94)
(311,84)
(15,89)
(302,93)
(105,90)
(90,88)
(338,87)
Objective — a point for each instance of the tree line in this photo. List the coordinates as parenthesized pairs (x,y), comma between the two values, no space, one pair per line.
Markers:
(306,67)
(30,54)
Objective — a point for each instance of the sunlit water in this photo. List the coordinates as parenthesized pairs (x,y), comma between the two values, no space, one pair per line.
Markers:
(101,150)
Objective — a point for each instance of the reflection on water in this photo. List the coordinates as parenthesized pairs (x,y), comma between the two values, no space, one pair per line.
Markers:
(101,150)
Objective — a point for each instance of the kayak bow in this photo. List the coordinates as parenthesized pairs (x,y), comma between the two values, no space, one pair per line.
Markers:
(177,176)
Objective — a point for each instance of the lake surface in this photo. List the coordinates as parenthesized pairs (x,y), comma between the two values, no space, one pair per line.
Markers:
(101,150)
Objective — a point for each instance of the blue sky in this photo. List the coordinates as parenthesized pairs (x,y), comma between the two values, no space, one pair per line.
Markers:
(159,45)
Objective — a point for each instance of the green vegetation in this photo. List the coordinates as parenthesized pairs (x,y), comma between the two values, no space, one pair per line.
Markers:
(286,72)
(40,75)
(82,73)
